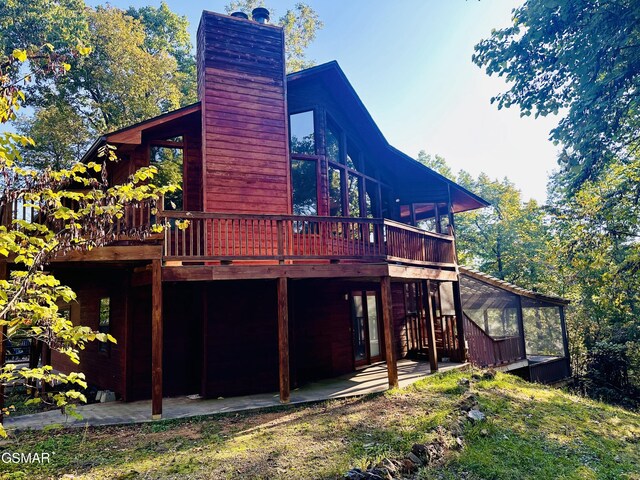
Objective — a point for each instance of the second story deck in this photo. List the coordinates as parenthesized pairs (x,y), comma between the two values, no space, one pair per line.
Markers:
(282,238)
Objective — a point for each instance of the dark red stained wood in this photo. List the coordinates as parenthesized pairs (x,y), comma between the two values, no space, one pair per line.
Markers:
(241,85)
(283,339)
(127,343)
(104,369)
(241,343)
(387,320)
(156,339)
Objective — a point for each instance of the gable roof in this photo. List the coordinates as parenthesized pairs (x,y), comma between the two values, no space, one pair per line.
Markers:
(333,78)
(132,134)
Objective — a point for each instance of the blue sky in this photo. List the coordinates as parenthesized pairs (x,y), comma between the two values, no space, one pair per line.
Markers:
(410,62)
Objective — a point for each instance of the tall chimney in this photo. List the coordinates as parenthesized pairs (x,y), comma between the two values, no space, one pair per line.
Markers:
(241,87)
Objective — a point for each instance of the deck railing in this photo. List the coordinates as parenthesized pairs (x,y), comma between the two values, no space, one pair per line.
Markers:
(237,237)
(487,351)
(135,218)
(242,237)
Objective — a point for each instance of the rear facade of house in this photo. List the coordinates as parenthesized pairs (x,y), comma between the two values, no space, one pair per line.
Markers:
(313,247)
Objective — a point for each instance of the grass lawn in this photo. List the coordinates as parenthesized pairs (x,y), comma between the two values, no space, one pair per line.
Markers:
(530,432)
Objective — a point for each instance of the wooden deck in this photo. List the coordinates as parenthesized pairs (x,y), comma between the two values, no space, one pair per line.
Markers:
(281,238)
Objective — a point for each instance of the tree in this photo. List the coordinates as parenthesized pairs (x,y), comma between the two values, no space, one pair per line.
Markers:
(579,59)
(510,239)
(66,218)
(300,23)
(60,137)
(141,66)
(166,31)
(435,163)
(599,260)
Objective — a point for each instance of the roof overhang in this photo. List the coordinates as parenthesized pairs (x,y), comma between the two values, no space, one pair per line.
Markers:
(419,181)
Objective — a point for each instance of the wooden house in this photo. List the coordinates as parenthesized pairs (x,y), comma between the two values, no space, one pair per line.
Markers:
(306,254)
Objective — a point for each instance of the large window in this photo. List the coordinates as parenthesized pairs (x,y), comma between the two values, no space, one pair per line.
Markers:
(167,157)
(352,187)
(304,182)
(335,192)
(353,190)
(302,139)
(334,141)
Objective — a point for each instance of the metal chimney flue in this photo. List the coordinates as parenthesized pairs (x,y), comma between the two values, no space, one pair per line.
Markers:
(260,15)
(240,15)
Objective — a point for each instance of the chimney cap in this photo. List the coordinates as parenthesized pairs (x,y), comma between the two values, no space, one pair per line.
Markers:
(260,15)
(240,15)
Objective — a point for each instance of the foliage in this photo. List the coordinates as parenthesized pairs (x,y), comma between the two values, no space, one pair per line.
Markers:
(436,163)
(60,135)
(510,239)
(579,59)
(140,67)
(300,23)
(599,255)
(74,209)
(168,32)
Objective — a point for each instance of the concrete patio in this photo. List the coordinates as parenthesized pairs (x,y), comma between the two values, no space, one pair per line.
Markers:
(371,379)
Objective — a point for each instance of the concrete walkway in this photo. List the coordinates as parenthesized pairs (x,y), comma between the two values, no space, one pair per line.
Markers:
(368,380)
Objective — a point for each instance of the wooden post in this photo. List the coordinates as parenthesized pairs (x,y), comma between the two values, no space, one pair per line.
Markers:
(462,354)
(523,344)
(437,219)
(565,339)
(387,320)
(156,339)
(431,331)
(283,339)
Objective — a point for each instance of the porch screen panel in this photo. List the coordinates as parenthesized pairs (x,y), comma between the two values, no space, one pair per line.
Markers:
(542,328)
(492,309)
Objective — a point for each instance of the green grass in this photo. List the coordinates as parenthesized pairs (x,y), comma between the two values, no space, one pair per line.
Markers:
(531,432)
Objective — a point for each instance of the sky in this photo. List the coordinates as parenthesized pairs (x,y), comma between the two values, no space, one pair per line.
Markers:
(410,62)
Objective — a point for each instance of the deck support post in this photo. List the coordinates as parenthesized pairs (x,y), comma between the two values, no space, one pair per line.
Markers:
(523,344)
(4,274)
(431,331)
(565,339)
(387,320)
(283,339)
(156,339)
(457,302)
